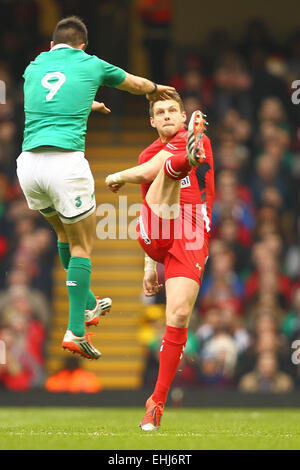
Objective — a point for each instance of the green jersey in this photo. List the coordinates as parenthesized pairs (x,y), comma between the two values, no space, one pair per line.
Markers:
(59,89)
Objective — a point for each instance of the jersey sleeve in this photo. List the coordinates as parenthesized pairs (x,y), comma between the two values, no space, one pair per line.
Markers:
(111,75)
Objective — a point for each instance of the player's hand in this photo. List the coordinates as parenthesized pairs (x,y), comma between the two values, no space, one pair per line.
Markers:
(150,283)
(100,108)
(112,185)
(162,93)
(115,187)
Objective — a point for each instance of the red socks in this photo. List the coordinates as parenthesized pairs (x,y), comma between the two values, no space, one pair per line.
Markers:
(170,355)
(177,167)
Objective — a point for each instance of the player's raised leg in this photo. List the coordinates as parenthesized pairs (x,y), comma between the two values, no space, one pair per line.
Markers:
(165,189)
(164,193)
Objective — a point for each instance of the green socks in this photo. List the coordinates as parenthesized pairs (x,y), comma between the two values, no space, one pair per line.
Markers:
(78,283)
(65,255)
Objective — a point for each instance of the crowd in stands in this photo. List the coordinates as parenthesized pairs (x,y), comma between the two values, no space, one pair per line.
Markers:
(27,249)
(247,315)
(27,246)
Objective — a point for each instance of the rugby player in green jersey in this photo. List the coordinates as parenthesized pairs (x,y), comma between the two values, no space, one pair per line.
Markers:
(59,90)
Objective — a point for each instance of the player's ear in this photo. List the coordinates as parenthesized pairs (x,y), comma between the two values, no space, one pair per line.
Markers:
(183,116)
(152,122)
(51,44)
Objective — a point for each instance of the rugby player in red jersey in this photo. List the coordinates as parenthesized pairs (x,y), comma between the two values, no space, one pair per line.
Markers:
(176,173)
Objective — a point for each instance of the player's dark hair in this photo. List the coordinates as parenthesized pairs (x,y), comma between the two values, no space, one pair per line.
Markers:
(70,30)
(173,96)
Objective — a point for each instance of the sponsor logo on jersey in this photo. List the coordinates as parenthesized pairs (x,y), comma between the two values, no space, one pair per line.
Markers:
(71,283)
(78,201)
(185,182)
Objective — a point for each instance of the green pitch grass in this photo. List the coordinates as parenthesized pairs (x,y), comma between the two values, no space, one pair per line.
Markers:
(117,429)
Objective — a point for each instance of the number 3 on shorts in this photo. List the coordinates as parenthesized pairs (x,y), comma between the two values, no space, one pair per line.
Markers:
(53,86)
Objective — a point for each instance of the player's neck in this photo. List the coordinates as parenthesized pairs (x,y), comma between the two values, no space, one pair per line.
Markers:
(166,139)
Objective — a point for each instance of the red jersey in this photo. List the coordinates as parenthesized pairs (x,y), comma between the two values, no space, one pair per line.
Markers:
(198,187)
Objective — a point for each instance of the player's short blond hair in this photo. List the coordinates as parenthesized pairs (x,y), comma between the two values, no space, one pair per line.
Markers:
(173,96)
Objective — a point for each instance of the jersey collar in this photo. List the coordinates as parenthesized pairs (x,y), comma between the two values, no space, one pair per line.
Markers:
(60,46)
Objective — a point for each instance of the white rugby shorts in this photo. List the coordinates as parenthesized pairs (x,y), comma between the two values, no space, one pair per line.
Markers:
(57,182)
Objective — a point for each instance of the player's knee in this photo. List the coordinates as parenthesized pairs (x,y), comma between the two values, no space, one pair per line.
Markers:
(179,316)
(170,172)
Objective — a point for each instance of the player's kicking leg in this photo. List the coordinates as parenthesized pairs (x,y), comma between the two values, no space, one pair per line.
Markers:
(165,189)
(95,307)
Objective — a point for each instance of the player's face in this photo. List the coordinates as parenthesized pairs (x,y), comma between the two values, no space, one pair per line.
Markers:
(167,118)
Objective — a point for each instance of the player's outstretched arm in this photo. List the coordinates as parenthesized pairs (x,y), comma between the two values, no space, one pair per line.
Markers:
(100,108)
(144,173)
(142,86)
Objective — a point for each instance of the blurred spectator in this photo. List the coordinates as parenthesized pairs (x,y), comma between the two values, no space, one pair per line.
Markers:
(211,373)
(222,282)
(266,338)
(228,232)
(156,16)
(231,200)
(256,36)
(233,86)
(266,276)
(18,288)
(23,369)
(266,377)
(218,358)
(233,157)
(292,251)
(191,104)
(269,187)
(222,338)
(272,111)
